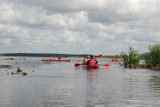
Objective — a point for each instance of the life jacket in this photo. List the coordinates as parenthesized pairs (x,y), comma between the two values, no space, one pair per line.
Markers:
(92,62)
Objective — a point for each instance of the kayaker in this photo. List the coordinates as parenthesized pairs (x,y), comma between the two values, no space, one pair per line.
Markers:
(85,60)
(92,62)
(51,58)
(88,58)
(59,58)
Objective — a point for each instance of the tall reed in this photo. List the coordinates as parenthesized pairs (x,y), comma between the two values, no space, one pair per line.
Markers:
(130,58)
(152,58)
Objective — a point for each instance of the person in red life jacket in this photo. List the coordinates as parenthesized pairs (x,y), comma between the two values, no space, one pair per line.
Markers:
(92,62)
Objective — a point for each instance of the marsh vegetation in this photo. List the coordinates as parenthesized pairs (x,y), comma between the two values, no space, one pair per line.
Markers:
(151,58)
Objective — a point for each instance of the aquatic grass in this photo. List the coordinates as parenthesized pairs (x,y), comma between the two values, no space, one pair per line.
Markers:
(9,59)
(131,58)
(152,58)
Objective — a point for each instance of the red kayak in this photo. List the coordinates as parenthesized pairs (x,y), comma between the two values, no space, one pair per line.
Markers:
(85,66)
(97,66)
(54,60)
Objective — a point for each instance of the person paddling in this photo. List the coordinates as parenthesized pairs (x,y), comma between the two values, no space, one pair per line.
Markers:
(84,61)
(92,62)
(51,58)
(60,57)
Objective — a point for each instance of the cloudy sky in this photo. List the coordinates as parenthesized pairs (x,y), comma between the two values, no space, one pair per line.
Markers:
(105,27)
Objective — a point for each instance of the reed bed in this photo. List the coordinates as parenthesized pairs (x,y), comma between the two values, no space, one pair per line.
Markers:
(152,58)
(130,59)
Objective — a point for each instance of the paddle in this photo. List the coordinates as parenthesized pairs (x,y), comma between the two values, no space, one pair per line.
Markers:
(98,56)
(106,65)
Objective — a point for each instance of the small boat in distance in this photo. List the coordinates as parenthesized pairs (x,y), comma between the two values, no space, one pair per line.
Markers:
(56,60)
(115,60)
(52,59)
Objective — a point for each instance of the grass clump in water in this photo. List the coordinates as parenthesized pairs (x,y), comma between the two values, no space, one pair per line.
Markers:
(131,58)
(152,58)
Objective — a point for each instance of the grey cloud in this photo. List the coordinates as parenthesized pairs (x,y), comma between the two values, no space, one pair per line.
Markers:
(64,5)
(127,11)
(71,26)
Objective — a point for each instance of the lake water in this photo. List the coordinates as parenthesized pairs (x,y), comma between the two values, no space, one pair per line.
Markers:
(62,85)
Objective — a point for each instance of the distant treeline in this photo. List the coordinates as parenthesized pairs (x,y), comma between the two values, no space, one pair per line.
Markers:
(41,55)
(51,54)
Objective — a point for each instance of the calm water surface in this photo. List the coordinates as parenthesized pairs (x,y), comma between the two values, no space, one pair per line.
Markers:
(63,85)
